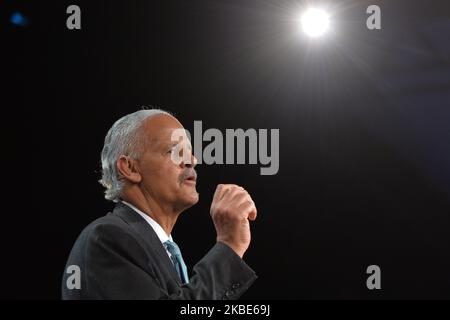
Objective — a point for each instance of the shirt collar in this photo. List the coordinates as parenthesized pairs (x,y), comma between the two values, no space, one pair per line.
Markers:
(162,235)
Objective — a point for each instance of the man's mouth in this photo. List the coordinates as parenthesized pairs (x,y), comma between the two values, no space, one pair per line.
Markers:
(191,178)
(190,182)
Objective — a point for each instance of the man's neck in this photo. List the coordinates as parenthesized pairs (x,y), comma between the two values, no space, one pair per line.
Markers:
(163,215)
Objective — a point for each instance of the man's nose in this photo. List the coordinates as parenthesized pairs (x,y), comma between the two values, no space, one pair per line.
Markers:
(193,161)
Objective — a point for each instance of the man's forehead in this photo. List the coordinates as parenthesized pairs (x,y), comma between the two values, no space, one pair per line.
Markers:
(161,127)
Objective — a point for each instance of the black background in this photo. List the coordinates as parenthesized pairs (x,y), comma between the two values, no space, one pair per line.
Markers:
(364,135)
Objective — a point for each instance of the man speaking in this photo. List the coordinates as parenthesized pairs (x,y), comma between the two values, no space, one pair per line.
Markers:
(130,253)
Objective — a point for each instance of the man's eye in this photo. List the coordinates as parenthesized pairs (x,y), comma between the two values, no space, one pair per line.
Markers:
(172,149)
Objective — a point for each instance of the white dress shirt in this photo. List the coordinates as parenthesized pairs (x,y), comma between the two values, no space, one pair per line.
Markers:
(162,235)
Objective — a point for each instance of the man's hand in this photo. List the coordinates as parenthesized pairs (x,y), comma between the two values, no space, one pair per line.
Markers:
(231,209)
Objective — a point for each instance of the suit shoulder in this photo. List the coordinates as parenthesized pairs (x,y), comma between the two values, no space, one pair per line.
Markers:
(106,227)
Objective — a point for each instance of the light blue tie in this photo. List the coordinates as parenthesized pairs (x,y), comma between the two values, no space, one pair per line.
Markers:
(177,260)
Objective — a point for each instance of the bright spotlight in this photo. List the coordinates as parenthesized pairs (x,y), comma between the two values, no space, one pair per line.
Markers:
(314,22)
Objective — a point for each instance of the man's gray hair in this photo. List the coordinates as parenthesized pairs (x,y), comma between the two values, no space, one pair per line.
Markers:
(124,138)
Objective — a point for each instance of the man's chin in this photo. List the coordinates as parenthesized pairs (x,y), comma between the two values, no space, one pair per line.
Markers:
(191,199)
(194,198)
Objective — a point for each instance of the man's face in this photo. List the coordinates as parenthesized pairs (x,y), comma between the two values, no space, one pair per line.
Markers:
(164,180)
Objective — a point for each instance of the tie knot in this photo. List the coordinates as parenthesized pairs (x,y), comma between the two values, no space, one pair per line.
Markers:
(172,247)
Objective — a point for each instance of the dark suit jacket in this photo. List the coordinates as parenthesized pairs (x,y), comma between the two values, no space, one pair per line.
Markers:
(121,257)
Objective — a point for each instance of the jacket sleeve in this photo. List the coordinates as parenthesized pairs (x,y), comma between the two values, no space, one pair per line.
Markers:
(221,274)
(114,270)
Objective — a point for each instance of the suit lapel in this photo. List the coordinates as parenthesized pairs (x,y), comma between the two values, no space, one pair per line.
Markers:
(146,231)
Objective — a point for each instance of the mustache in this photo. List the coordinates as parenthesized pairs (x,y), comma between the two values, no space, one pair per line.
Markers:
(188,173)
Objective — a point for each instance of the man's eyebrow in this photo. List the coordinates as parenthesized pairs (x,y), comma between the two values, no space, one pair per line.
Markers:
(174,143)
(171,144)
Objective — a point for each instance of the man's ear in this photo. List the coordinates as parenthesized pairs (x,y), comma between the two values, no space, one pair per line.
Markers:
(128,170)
